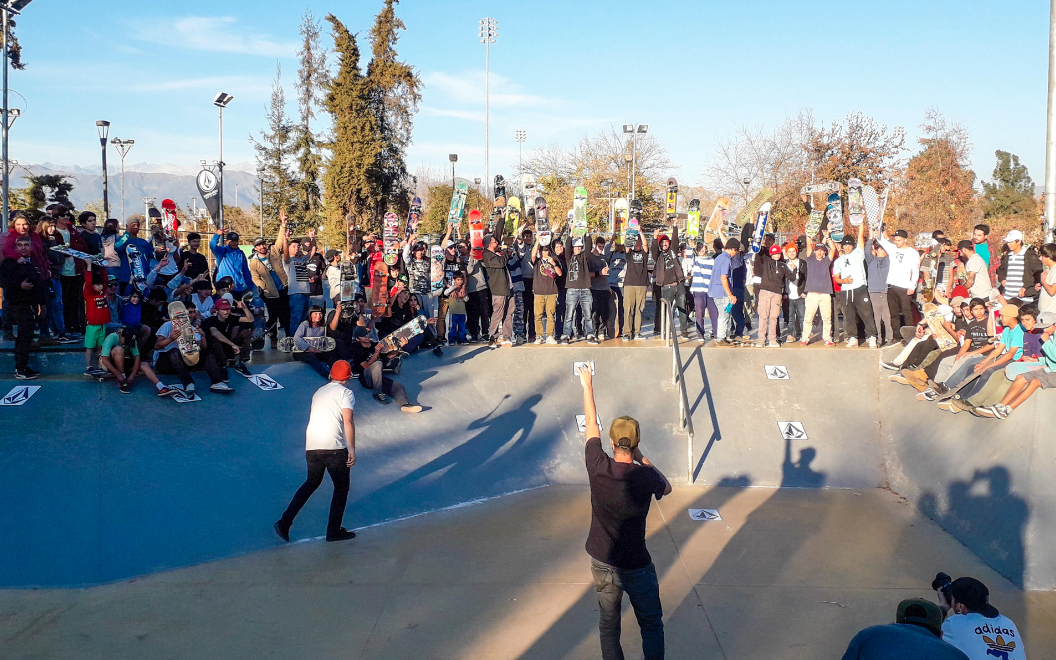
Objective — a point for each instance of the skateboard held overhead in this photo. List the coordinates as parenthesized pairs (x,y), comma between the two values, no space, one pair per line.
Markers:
(716,221)
(579,213)
(672,198)
(693,218)
(834,216)
(542,221)
(761,218)
(391,242)
(855,203)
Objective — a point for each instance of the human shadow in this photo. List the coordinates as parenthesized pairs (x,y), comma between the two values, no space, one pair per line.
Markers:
(799,474)
(501,457)
(991,525)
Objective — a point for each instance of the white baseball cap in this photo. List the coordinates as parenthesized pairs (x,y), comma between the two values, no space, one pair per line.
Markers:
(1014,235)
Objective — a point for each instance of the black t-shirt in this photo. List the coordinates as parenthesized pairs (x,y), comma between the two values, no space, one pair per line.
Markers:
(198,265)
(977,334)
(620,495)
(225,327)
(360,354)
(346,325)
(637,268)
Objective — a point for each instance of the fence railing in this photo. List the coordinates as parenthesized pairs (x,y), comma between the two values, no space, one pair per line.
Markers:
(685,419)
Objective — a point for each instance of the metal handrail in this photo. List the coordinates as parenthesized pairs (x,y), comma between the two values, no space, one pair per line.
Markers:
(685,419)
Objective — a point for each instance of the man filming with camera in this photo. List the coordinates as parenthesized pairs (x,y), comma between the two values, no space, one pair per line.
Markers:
(972,624)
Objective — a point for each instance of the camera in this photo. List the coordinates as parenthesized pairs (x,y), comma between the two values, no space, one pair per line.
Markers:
(943,583)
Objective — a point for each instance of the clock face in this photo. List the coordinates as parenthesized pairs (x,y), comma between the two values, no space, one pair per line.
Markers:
(206,180)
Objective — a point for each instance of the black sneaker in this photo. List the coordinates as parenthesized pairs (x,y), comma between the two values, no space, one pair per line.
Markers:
(381,398)
(591,339)
(341,535)
(565,341)
(627,338)
(241,368)
(124,388)
(438,352)
(25,374)
(282,530)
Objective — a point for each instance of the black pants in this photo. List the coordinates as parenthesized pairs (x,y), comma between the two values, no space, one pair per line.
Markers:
(919,353)
(24,318)
(855,305)
(171,363)
(73,302)
(602,304)
(643,589)
(335,462)
(615,322)
(478,320)
(279,314)
(901,306)
(528,296)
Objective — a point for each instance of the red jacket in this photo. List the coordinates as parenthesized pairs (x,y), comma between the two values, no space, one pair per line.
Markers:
(97,310)
(37,254)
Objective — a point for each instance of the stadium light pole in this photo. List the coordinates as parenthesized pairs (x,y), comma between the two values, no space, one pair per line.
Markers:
(1050,133)
(634,130)
(454,159)
(260,175)
(8,7)
(489,32)
(220,101)
(521,137)
(103,127)
(123,147)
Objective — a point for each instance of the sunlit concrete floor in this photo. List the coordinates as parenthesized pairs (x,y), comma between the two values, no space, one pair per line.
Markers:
(787,573)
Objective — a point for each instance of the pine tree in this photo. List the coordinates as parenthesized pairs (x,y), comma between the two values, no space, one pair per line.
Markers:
(394,95)
(1011,192)
(275,149)
(312,79)
(351,178)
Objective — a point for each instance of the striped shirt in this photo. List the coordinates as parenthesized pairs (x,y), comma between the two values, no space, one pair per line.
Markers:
(1014,276)
(701,274)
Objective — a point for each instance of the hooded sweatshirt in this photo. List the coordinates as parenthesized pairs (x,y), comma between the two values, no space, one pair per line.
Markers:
(667,270)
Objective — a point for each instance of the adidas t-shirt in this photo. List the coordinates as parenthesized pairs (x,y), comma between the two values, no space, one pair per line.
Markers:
(981,638)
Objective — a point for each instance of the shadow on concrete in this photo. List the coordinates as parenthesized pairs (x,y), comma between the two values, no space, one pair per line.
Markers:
(986,516)
(705,393)
(799,474)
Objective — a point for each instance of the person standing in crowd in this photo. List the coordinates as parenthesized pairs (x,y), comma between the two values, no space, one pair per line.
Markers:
(456,304)
(330,446)
(668,275)
(130,238)
(600,295)
(523,248)
(721,297)
(231,262)
(616,260)
(192,263)
(494,260)
(269,276)
(25,292)
(577,290)
(849,271)
(981,243)
(977,278)
(478,318)
(972,623)
(70,278)
(797,303)
(902,276)
(700,281)
(621,492)
(877,265)
(1047,285)
(818,285)
(772,275)
(635,284)
(297,277)
(1020,271)
(544,281)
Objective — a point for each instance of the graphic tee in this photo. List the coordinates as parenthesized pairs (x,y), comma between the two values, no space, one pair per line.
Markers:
(983,638)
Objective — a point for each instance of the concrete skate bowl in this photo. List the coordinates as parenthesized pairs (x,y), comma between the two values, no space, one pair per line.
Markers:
(111,499)
(991,484)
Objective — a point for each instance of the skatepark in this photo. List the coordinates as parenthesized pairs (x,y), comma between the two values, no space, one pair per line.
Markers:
(839,493)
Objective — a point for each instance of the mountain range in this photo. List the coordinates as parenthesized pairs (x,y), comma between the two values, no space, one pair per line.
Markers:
(174,182)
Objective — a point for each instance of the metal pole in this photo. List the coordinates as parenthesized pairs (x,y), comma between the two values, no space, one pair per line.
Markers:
(1050,133)
(262,206)
(487,110)
(634,154)
(6,177)
(220,167)
(122,184)
(106,184)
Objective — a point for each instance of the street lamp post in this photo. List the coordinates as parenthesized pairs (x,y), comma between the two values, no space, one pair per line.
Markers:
(521,137)
(103,127)
(454,159)
(1050,134)
(260,175)
(634,130)
(8,7)
(123,147)
(489,32)
(220,101)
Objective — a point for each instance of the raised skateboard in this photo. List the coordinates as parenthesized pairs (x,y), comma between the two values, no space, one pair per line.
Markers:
(414,216)
(883,209)
(391,240)
(322,344)
(96,259)
(528,182)
(458,203)
(620,221)
(542,221)
(257,308)
(834,216)
(933,317)
(170,221)
(436,267)
(693,218)
(498,211)
(634,219)
(379,291)
(827,187)
(348,282)
(476,234)
(181,324)
(814,223)
(855,203)
(716,221)
(872,207)
(579,213)
(135,267)
(513,214)
(399,337)
(747,214)
(761,218)
(672,198)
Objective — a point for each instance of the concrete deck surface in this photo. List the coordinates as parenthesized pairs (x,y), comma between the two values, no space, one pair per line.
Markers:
(788,573)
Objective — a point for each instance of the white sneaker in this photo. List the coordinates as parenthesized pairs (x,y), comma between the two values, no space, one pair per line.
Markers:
(221,387)
(538,340)
(551,341)
(852,342)
(871,341)
(507,342)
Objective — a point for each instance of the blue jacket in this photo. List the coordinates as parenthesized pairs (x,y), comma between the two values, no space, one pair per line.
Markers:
(233,264)
(123,273)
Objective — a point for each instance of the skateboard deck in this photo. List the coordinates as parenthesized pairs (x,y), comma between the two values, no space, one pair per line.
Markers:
(814,223)
(717,220)
(827,187)
(634,219)
(579,213)
(747,214)
(379,291)
(324,344)
(135,267)
(348,281)
(391,241)
(96,259)
(399,337)
(542,221)
(880,215)
(693,221)
(476,234)
(855,203)
(528,184)
(170,221)
(620,220)
(672,197)
(498,212)
(436,267)
(258,309)
(181,323)
(761,218)
(938,332)
(872,207)
(834,215)
(414,216)
(458,203)
(513,214)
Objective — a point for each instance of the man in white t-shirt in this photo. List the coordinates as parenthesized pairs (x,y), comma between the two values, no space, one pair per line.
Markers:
(330,446)
(975,626)
(902,276)
(849,270)
(977,277)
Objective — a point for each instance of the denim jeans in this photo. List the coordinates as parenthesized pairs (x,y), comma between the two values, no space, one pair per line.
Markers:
(299,304)
(583,299)
(794,323)
(722,328)
(643,589)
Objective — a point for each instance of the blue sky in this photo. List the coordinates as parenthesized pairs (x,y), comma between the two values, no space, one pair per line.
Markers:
(693,71)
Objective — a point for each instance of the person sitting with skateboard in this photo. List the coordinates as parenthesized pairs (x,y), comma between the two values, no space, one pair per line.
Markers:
(169,361)
(313,326)
(120,357)
(229,337)
(368,363)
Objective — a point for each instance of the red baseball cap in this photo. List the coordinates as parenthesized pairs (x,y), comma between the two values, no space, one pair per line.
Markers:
(222,304)
(775,250)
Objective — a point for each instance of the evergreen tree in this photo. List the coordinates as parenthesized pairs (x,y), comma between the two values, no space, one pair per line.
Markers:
(312,79)
(275,150)
(351,178)
(394,95)
(1011,192)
